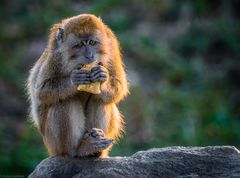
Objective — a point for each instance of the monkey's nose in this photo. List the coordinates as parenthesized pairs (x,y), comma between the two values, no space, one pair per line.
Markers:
(89,58)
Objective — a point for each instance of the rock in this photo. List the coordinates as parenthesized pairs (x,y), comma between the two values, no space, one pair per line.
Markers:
(184,162)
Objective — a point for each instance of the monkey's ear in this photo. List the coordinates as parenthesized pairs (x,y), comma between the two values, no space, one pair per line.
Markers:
(59,35)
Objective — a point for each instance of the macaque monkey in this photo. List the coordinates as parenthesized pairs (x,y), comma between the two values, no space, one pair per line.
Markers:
(72,122)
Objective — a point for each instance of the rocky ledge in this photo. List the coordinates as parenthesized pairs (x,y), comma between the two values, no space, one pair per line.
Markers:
(184,162)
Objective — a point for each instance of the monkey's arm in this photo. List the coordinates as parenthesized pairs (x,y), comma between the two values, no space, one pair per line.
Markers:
(50,86)
(54,89)
(114,87)
(59,87)
(113,90)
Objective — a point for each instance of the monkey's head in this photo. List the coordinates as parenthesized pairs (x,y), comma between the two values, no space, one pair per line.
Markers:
(80,40)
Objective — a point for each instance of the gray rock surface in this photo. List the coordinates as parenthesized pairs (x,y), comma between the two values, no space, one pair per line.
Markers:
(184,162)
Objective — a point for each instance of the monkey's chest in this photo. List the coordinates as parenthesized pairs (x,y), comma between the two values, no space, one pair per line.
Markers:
(84,98)
(90,104)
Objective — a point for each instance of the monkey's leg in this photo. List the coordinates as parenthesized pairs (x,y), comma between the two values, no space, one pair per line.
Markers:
(105,117)
(115,126)
(56,132)
(77,124)
(93,142)
(64,128)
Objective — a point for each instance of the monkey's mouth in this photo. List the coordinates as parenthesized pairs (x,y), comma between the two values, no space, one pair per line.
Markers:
(74,56)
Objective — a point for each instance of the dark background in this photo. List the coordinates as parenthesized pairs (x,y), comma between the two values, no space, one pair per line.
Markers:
(182,60)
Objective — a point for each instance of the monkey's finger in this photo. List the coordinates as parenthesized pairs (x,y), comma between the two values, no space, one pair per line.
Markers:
(98,76)
(87,76)
(101,147)
(103,68)
(80,71)
(103,140)
(95,68)
(105,143)
(80,78)
(102,79)
(80,75)
(81,81)
(95,132)
(92,74)
(83,74)
(98,68)
(84,71)
(96,73)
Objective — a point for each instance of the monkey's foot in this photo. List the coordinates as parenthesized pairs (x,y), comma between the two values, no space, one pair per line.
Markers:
(93,142)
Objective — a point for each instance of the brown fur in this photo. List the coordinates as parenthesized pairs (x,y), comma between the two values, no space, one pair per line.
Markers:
(62,113)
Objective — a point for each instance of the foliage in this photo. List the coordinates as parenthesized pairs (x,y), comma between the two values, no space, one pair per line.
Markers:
(182,58)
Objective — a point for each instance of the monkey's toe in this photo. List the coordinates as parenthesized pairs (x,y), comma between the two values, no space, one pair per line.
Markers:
(95,132)
(92,145)
(102,144)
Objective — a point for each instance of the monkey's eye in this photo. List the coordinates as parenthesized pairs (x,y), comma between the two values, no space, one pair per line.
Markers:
(92,42)
(78,45)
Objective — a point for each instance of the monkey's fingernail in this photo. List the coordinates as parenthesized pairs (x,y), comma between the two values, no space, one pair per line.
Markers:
(80,66)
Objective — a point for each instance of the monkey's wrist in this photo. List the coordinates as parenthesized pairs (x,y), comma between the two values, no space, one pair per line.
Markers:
(103,87)
(105,91)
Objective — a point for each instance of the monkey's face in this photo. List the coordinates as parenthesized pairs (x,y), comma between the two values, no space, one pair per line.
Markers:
(82,40)
(84,49)
(80,50)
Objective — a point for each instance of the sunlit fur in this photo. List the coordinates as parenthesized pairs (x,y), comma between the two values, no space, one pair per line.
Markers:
(62,113)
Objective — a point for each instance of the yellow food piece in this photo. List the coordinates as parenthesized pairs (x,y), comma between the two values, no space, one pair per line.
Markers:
(93,87)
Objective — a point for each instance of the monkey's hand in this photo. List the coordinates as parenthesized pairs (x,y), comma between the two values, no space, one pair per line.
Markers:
(99,73)
(79,77)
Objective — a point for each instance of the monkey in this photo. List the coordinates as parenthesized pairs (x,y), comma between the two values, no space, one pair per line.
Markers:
(71,122)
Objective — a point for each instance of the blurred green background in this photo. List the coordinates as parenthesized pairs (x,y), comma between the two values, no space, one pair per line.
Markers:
(182,60)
